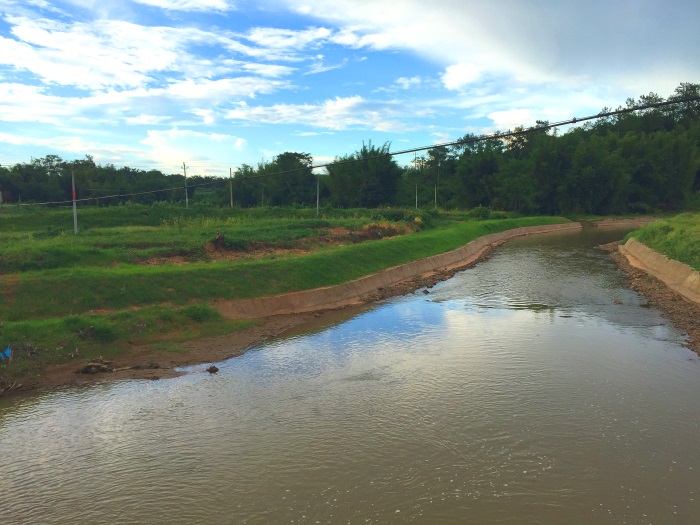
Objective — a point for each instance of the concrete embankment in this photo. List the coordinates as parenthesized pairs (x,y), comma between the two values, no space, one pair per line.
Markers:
(676,275)
(359,290)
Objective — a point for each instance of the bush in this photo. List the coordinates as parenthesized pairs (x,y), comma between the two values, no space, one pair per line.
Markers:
(480,212)
(92,328)
(201,313)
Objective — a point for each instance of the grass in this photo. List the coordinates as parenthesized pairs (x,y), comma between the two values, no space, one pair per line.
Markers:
(66,297)
(676,237)
(42,342)
(76,290)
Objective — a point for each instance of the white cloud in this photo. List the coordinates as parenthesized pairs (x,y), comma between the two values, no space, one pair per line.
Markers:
(528,43)
(21,103)
(273,38)
(190,5)
(115,54)
(337,114)
(208,116)
(509,119)
(90,55)
(319,66)
(72,144)
(408,83)
(145,120)
(458,76)
(168,147)
(268,70)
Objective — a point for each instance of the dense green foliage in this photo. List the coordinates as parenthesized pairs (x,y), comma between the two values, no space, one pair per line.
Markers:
(634,162)
(676,237)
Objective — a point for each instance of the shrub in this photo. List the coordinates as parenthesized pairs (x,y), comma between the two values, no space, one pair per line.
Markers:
(92,328)
(201,313)
(480,212)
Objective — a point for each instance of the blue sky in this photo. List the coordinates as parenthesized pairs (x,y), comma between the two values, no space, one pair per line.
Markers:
(219,83)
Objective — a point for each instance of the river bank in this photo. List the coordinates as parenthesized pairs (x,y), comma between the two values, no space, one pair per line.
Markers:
(145,363)
(682,312)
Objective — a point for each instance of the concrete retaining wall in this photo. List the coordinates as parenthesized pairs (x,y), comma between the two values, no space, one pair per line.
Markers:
(676,275)
(354,292)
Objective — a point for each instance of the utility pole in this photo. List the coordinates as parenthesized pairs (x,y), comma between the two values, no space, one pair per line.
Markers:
(75,208)
(230,184)
(415,165)
(437,182)
(187,201)
(317,191)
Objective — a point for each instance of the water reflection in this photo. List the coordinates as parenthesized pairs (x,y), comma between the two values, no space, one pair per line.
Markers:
(531,388)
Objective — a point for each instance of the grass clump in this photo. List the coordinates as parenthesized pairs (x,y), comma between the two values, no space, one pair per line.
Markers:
(201,313)
(676,237)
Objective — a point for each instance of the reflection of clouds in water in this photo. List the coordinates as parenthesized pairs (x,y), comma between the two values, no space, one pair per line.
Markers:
(424,398)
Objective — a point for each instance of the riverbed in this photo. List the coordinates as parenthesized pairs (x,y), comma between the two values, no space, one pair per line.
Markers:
(532,388)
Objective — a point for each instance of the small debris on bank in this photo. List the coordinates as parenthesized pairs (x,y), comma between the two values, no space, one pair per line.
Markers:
(95,367)
(100,366)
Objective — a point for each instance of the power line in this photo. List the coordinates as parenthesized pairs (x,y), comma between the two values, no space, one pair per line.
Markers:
(481,138)
(471,140)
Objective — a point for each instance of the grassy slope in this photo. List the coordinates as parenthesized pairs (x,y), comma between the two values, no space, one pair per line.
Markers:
(73,312)
(676,237)
(71,291)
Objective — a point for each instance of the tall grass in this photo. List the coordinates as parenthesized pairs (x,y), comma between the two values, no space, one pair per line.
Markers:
(676,237)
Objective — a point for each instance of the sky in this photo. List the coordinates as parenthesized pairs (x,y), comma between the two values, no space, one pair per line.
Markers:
(221,83)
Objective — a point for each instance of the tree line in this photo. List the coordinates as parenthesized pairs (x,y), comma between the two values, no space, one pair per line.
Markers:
(640,161)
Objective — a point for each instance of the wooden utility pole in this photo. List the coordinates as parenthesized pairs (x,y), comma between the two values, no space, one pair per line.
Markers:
(187,201)
(75,208)
(317,193)
(415,164)
(230,184)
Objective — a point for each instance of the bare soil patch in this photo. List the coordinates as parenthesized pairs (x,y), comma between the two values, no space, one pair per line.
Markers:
(216,250)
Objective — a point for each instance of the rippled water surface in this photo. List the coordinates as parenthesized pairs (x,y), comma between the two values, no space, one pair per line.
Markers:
(532,388)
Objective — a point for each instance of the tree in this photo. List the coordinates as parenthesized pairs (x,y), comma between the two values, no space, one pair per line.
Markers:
(290,180)
(367,178)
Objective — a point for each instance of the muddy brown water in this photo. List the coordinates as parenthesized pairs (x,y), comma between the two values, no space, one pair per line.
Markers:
(532,388)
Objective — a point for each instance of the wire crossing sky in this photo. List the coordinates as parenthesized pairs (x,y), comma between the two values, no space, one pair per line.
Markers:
(317,167)
(218,83)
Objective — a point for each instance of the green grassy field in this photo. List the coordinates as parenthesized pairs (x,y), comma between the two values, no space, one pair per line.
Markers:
(676,237)
(65,297)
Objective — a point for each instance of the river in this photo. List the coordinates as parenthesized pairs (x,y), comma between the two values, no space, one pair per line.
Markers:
(532,388)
